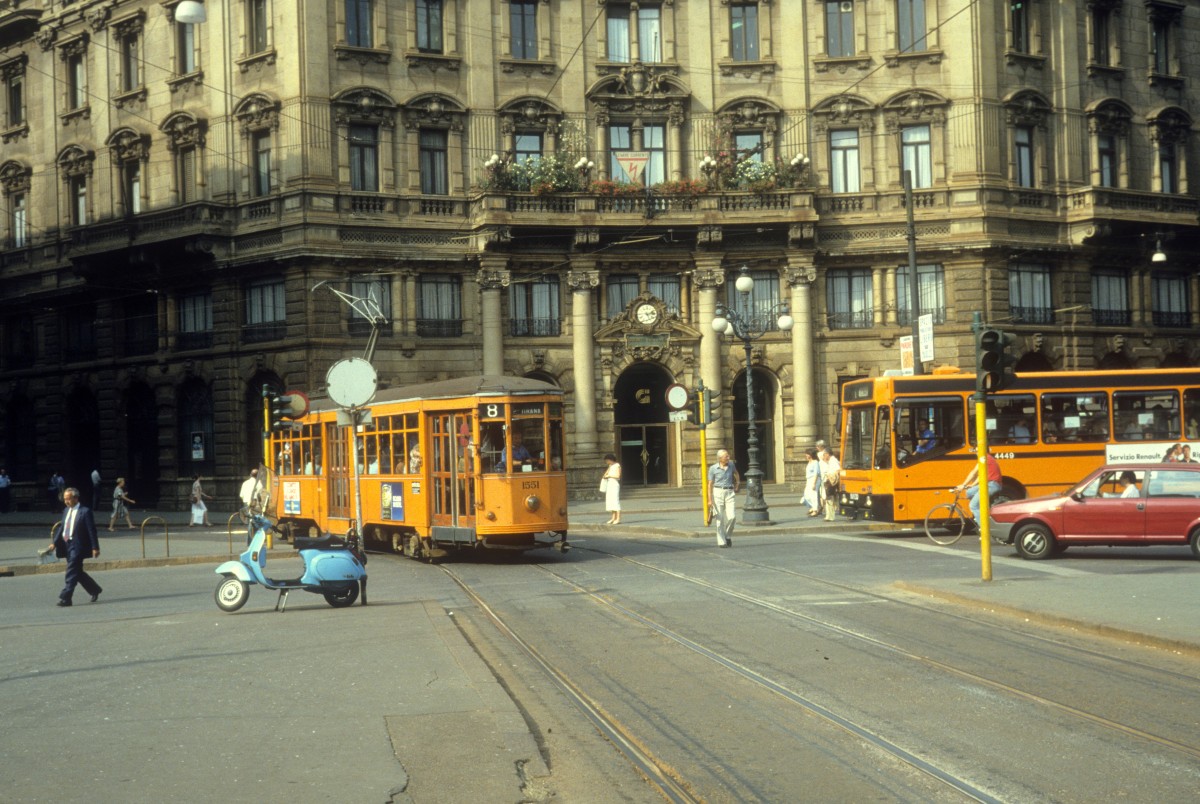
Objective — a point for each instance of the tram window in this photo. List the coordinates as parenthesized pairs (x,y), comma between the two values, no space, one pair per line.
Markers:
(927,427)
(294,450)
(491,436)
(1074,417)
(1191,413)
(1146,415)
(556,445)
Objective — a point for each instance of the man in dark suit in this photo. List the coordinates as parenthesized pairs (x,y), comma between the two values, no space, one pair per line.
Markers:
(76,541)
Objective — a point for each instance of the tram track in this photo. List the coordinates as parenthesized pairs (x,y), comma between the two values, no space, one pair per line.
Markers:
(1190,751)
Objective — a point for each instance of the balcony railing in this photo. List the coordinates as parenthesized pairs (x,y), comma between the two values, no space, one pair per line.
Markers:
(259,333)
(1173,319)
(534,327)
(193,340)
(439,328)
(1032,315)
(859,319)
(1111,318)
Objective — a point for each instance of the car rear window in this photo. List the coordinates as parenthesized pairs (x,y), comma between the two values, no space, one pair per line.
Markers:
(1168,483)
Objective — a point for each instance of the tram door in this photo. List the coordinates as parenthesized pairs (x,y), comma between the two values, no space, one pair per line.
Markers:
(452,469)
(338,473)
(643,454)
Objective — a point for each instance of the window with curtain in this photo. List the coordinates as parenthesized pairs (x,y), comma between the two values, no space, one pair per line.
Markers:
(839,28)
(259,19)
(266,313)
(1102,26)
(358,23)
(1110,298)
(439,305)
(763,301)
(619,290)
(379,290)
(140,322)
(523,22)
(1023,156)
(77,191)
(1167,170)
(131,66)
(434,162)
(843,161)
(931,294)
(849,298)
(749,145)
(131,186)
(1029,294)
(14,96)
(654,142)
(1169,294)
(1018,22)
(1160,36)
(620,138)
(1106,153)
(649,33)
(533,307)
(260,166)
(76,82)
(910,25)
(185,174)
(667,288)
(917,155)
(185,48)
(617,33)
(195,321)
(743,32)
(364,158)
(18,220)
(429,26)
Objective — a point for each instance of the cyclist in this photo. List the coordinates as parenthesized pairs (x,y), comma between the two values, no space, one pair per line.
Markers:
(970,484)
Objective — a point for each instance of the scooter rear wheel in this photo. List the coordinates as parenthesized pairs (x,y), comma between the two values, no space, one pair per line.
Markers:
(343,598)
(231,594)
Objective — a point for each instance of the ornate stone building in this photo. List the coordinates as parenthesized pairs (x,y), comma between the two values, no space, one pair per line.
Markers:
(173,193)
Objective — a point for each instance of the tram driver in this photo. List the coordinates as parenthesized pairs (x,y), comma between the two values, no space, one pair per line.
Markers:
(520,453)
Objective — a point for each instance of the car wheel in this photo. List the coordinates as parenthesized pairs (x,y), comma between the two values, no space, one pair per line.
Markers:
(1195,540)
(1035,542)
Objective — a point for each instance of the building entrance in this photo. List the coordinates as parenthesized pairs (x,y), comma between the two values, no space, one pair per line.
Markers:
(642,429)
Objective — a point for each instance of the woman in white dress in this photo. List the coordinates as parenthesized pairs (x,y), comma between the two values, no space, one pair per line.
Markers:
(611,483)
(199,509)
(812,476)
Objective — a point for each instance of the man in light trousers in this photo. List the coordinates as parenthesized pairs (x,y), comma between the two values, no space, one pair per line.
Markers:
(723,480)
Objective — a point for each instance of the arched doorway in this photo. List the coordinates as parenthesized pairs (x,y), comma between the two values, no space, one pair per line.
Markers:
(83,440)
(141,444)
(641,425)
(764,423)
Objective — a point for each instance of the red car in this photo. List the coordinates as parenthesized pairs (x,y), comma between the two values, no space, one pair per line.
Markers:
(1125,504)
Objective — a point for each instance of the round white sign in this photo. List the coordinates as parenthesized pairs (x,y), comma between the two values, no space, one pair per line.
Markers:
(351,382)
(677,397)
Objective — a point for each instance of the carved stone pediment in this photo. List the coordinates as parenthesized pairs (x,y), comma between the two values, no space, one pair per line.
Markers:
(646,323)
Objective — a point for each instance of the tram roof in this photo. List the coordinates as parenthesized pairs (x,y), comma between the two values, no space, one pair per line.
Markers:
(478,385)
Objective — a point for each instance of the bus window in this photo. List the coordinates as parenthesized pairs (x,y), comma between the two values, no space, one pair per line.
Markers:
(927,427)
(1010,419)
(1146,415)
(1191,413)
(1074,417)
(883,439)
(857,438)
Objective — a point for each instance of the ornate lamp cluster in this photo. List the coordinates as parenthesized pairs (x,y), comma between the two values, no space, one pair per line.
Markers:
(744,326)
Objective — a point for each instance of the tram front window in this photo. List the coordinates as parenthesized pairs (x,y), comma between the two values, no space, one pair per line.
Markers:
(520,450)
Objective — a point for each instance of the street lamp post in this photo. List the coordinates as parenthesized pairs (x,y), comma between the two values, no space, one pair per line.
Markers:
(744,326)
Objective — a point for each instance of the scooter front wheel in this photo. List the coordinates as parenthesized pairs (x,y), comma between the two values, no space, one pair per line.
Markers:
(231,594)
(343,597)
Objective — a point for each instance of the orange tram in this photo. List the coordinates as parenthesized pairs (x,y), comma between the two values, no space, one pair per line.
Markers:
(469,463)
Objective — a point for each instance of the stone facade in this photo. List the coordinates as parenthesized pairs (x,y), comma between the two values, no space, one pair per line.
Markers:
(174,195)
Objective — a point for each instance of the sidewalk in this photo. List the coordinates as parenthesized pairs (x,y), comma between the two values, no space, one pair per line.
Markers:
(1152,607)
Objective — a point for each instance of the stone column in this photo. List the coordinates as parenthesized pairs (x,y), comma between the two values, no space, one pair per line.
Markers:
(891,304)
(493,277)
(411,308)
(583,279)
(879,302)
(801,275)
(709,277)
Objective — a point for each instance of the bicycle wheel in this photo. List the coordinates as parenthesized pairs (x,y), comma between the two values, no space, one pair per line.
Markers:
(945,523)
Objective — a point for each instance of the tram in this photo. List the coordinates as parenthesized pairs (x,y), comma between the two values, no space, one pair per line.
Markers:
(468,463)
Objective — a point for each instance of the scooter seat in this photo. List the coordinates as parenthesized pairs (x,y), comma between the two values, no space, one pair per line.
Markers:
(329,542)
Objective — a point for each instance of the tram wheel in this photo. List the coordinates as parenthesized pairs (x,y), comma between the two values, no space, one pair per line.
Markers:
(412,548)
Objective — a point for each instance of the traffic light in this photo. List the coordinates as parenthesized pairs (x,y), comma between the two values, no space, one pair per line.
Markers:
(696,406)
(994,365)
(712,405)
(285,408)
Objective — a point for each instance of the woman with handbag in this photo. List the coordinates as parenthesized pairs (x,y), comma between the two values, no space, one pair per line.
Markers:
(610,484)
(199,509)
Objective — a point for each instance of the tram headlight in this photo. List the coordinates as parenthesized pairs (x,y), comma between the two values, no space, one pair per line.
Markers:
(532,503)
(491,516)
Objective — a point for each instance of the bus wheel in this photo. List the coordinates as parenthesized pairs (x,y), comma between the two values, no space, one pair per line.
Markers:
(1035,542)
(1008,493)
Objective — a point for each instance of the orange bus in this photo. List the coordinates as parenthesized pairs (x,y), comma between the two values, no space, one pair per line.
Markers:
(476,462)
(906,440)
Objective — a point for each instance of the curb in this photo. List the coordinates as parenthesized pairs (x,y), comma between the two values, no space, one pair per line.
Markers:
(1056,620)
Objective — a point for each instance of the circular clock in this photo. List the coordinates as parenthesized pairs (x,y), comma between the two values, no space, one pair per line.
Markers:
(677,397)
(646,314)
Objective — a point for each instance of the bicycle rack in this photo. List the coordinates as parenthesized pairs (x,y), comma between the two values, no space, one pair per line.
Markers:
(166,533)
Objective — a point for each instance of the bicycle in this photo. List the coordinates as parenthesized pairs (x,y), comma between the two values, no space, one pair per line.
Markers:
(947,522)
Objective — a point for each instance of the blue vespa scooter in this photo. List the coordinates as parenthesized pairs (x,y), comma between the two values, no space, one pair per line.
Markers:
(333,566)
